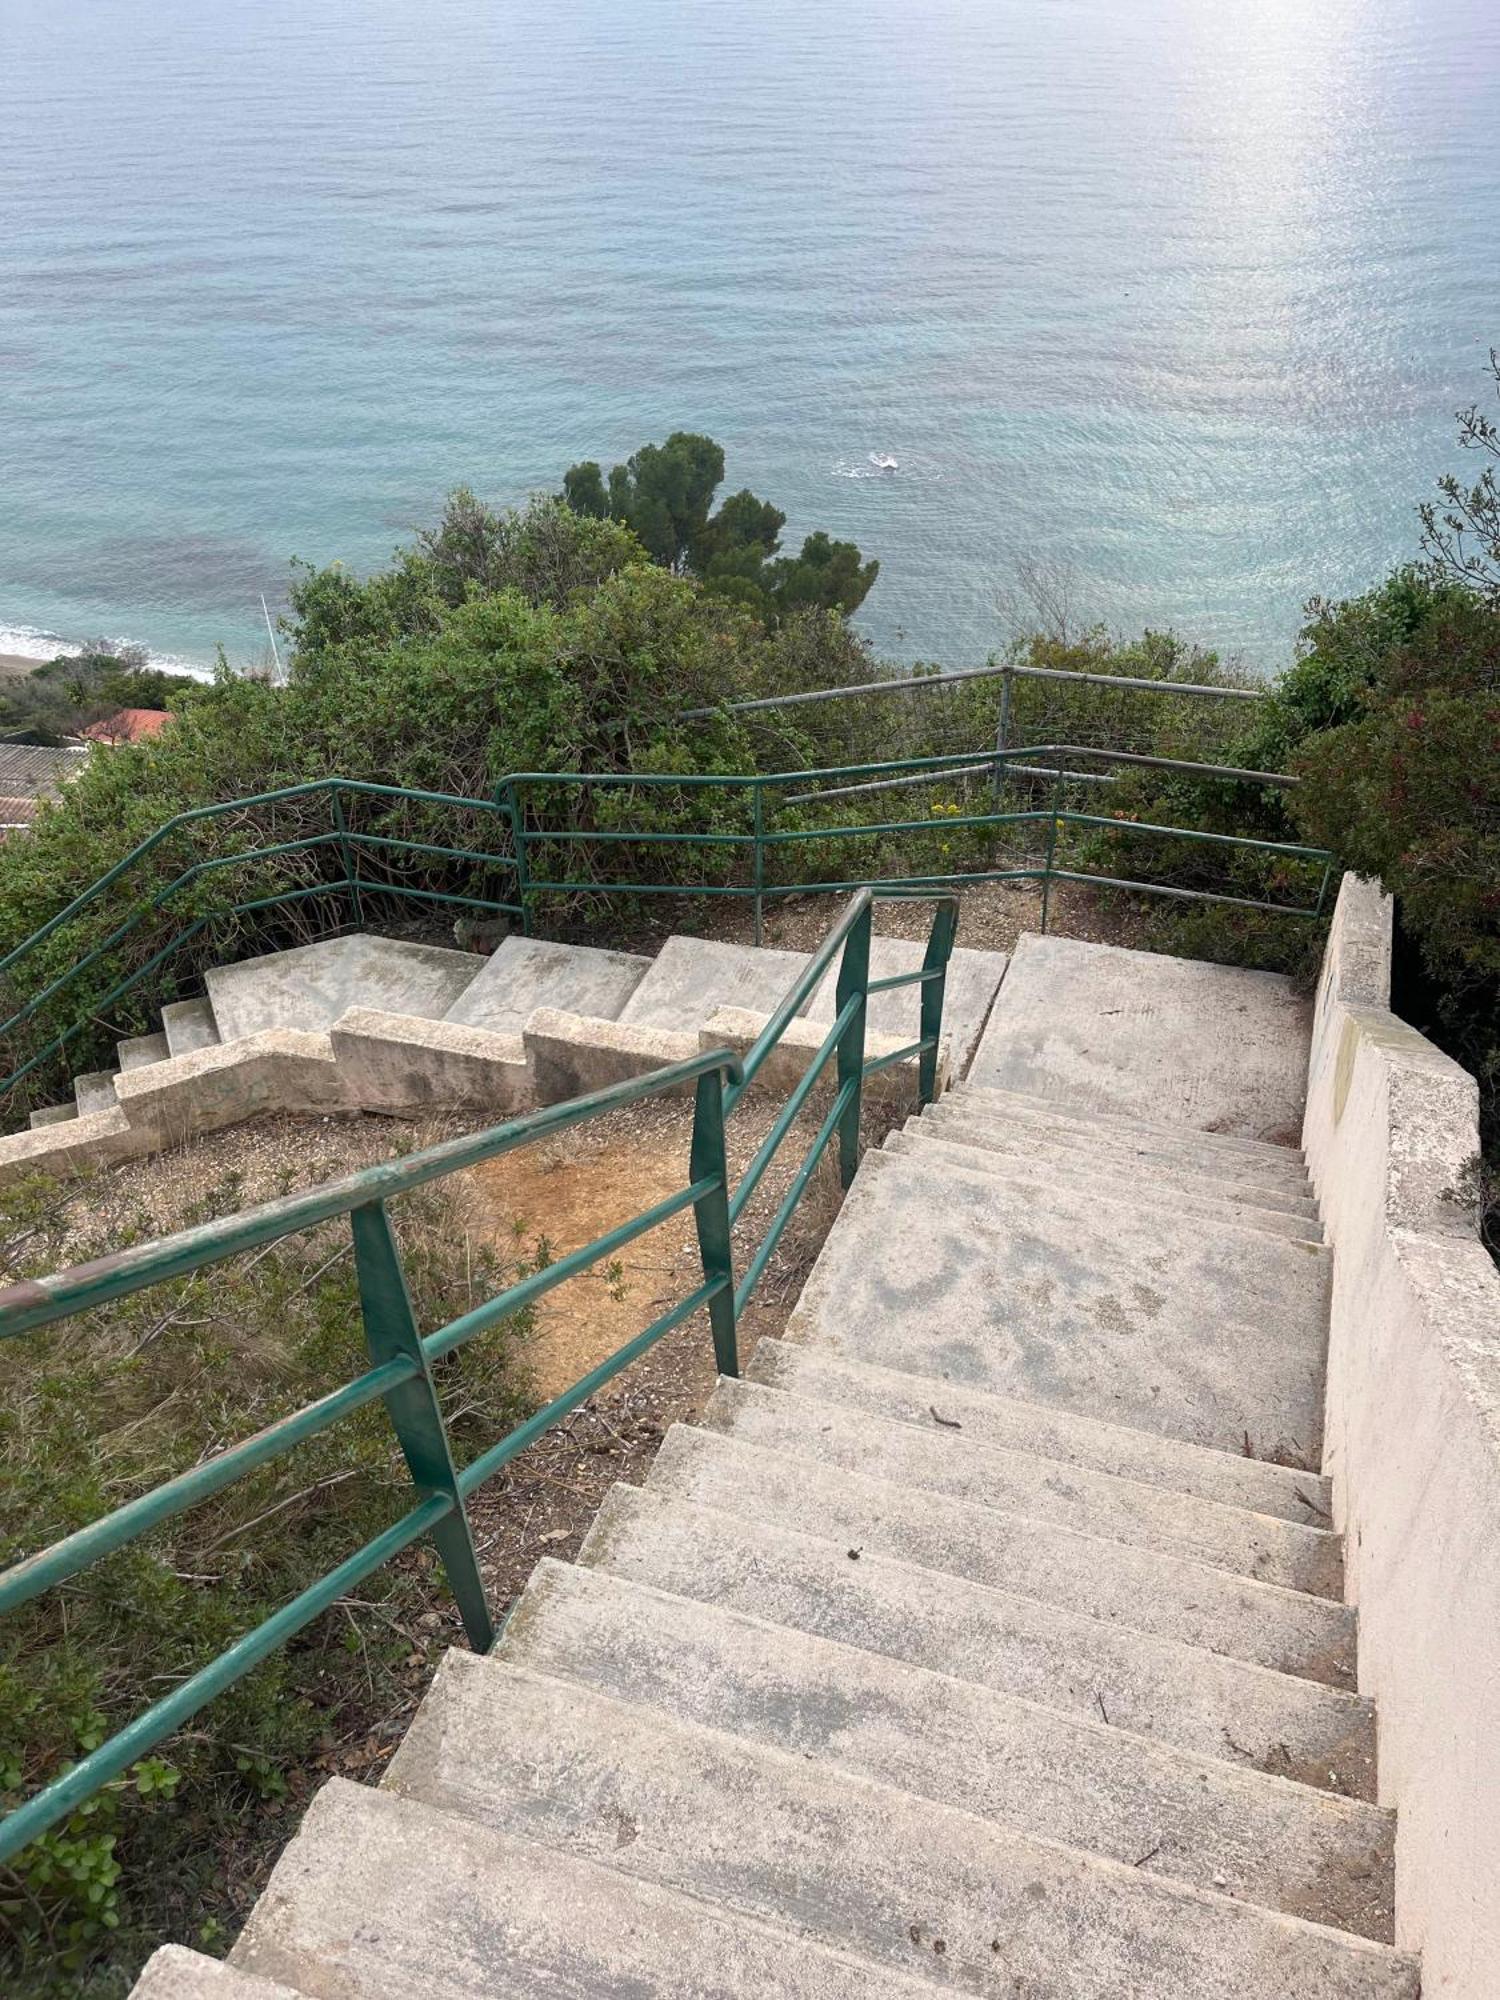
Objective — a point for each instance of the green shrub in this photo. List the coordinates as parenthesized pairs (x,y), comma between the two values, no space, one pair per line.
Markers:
(97,1409)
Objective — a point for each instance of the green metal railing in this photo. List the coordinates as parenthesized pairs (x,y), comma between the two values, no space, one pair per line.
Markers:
(523,837)
(402,1357)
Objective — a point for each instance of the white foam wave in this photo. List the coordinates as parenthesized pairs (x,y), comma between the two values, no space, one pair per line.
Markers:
(32,642)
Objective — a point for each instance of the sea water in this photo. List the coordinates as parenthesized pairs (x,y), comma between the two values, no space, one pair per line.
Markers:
(1176,297)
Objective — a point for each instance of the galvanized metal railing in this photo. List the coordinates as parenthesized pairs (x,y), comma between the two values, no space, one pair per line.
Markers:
(402,1356)
(523,836)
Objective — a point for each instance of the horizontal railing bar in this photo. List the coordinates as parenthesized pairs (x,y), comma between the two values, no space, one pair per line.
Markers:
(786,1117)
(403,846)
(894,1056)
(947,822)
(515,1298)
(990,768)
(372,885)
(753,1270)
(490,1462)
(1287,847)
(924,681)
(36,1301)
(102,1537)
(1186,895)
(922,976)
(217,811)
(806,983)
(540,836)
(59,1798)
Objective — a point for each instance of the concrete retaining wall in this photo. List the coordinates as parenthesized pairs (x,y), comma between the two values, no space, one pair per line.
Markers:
(1413,1437)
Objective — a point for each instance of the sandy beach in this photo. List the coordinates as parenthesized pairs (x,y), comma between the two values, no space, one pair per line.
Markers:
(13,665)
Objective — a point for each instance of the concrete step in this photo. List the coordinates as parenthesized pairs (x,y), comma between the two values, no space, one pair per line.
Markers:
(933,1404)
(1138,1034)
(95,1091)
(382,1898)
(1168,1596)
(54,1114)
(856,1866)
(189,1025)
(1053,1654)
(691,977)
(173,1973)
(1040,1171)
(526,973)
(309,987)
(1217,1338)
(140,1051)
(1036,1770)
(1190,1141)
(969,992)
(933,1460)
(1273,1187)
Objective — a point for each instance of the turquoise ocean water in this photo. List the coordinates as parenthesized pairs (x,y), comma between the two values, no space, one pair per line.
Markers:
(1182,293)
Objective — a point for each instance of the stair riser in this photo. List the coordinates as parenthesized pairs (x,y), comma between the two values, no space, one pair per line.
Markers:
(1302,1559)
(1162,1595)
(1053,1654)
(931,1404)
(380,1898)
(1018,1765)
(1060,1110)
(852,1864)
(1106,1152)
(1039,1174)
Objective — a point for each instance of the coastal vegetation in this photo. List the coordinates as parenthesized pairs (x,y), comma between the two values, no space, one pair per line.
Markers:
(106,1405)
(574,634)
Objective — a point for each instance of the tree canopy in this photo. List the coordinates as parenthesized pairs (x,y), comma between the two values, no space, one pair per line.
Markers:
(663,494)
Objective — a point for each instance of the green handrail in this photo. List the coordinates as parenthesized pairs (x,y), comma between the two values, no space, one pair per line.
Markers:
(507,807)
(402,1357)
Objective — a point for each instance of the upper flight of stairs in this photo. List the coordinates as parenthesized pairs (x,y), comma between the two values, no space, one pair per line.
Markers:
(308,988)
(988,1636)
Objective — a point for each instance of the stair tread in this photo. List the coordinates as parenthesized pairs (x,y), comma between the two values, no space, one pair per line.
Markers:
(1171,1596)
(951,1119)
(382,1898)
(1054,1654)
(1160,1327)
(934,1402)
(1089,1118)
(1144,1190)
(1296,1557)
(1067,1777)
(849,1862)
(53,1114)
(1272,1168)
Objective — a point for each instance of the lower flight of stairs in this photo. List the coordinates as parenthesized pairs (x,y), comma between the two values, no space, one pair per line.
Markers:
(975,1640)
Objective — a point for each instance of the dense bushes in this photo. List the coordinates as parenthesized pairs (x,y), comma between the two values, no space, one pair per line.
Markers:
(99,1408)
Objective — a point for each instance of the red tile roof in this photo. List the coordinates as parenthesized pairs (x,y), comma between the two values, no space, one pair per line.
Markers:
(128,725)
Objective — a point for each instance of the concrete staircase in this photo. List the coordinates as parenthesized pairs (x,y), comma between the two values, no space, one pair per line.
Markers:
(309,988)
(988,1636)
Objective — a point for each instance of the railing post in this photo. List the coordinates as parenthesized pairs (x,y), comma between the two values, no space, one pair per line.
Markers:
(760,861)
(518,843)
(707,1161)
(939,950)
(347,852)
(1051,846)
(1002,730)
(854,978)
(415,1413)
